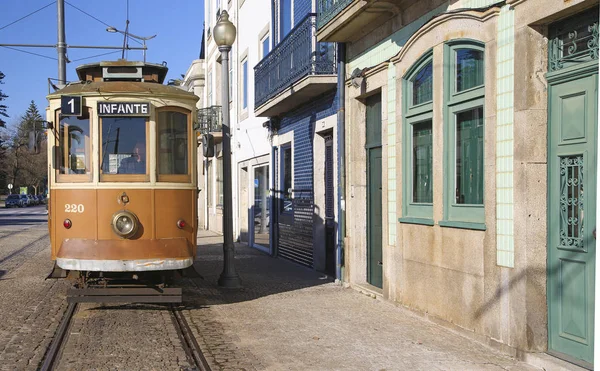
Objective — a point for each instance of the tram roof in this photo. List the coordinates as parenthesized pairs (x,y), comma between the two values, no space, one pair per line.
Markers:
(94,69)
(125,87)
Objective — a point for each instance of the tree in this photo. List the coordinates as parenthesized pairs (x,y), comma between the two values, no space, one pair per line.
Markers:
(2,106)
(31,122)
(22,166)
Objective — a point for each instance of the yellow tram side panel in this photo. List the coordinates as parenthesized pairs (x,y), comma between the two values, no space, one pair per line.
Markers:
(158,211)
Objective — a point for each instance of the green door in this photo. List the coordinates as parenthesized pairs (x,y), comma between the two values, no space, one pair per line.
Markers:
(572,145)
(374,192)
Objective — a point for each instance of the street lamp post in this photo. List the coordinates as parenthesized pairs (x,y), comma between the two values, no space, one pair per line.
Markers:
(224,35)
(126,33)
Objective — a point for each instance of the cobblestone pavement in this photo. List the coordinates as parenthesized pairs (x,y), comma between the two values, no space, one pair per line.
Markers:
(287,317)
(31,307)
(291,318)
(123,337)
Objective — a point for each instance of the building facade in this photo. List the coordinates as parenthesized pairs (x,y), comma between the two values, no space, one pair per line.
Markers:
(471,134)
(295,88)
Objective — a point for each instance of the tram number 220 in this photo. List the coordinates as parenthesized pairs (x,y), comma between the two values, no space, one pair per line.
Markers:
(74,208)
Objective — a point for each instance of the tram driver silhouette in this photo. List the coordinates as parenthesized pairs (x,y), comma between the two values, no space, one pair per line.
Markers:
(136,164)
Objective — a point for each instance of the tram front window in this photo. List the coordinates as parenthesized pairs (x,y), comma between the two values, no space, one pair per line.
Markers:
(173,145)
(73,157)
(124,144)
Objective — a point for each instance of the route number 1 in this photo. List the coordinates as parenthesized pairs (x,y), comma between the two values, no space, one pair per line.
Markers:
(70,105)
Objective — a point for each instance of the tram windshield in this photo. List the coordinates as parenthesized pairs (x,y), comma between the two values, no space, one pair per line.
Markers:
(74,150)
(124,145)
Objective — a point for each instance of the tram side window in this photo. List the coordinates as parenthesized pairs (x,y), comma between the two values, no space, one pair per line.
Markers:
(173,146)
(74,147)
(124,144)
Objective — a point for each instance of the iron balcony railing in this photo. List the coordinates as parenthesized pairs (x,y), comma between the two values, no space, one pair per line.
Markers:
(209,119)
(296,56)
(328,9)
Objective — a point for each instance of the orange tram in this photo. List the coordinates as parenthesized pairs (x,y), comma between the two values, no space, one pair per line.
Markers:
(123,178)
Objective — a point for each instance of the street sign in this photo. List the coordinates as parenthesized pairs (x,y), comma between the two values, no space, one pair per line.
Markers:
(10,186)
(70,105)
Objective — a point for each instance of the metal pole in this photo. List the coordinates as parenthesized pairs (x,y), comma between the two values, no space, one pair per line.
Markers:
(229,277)
(61,47)
(341,147)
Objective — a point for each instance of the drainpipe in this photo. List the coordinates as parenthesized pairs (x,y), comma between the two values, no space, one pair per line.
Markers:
(341,147)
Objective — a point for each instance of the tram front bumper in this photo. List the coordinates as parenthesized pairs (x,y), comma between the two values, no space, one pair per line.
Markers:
(125,255)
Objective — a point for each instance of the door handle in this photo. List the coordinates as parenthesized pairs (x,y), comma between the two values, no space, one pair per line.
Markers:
(594,233)
(380,263)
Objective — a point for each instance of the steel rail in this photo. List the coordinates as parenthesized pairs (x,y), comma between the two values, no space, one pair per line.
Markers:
(188,341)
(58,341)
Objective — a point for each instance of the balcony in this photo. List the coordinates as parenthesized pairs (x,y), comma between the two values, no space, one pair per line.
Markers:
(298,69)
(209,121)
(349,20)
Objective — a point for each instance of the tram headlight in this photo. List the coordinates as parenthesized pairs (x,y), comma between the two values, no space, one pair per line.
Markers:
(125,224)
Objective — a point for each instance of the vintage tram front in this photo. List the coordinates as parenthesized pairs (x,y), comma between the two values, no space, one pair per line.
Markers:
(122,171)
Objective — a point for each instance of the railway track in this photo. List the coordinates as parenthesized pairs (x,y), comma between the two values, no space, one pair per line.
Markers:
(194,354)
(188,341)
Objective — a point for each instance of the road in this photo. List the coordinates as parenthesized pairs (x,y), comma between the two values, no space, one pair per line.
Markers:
(26,216)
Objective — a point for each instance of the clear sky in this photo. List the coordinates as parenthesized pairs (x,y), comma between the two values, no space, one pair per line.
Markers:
(177,23)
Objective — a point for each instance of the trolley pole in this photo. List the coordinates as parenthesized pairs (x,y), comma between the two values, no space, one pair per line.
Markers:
(61,47)
(224,34)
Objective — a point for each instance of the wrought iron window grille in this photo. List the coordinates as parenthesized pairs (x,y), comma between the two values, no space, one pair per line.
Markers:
(209,119)
(573,40)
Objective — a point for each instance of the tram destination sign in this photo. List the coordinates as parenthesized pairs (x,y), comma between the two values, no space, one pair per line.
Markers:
(123,109)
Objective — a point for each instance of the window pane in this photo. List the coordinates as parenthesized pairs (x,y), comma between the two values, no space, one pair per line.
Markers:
(287,179)
(220,181)
(469,157)
(173,143)
(245,84)
(265,46)
(74,143)
(123,145)
(469,69)
(286,17)
(209,85)
(423,85)
(209,185)
(422,162)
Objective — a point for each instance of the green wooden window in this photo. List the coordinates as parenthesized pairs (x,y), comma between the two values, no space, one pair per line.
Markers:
(469,157)
(464,93)
(417,190)
(469,68)
(423,85)
(422,162)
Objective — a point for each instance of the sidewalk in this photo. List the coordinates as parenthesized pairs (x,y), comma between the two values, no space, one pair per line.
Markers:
(288,317)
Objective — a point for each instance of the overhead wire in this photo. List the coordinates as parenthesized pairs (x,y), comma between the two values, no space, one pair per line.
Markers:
(32,53)
(97,55)
(28,15)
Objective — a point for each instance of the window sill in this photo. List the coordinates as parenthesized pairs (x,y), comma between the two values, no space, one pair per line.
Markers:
(411,220)
(462,225)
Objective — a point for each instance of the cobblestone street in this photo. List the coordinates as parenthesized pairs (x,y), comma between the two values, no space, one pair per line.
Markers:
(285,318)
